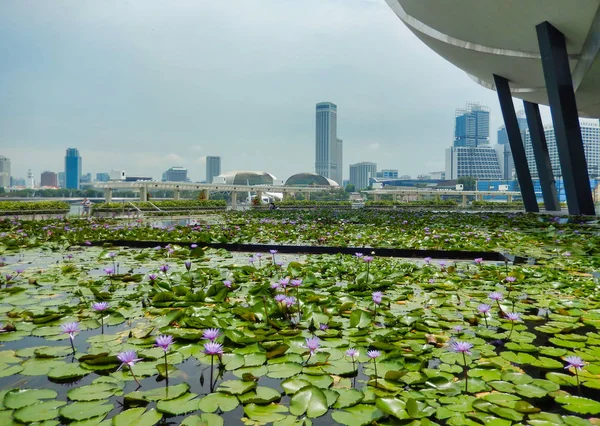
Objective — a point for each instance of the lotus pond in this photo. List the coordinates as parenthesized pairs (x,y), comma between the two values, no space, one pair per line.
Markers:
(99,334)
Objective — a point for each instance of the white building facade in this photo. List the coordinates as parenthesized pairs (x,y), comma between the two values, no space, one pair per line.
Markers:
(360,174)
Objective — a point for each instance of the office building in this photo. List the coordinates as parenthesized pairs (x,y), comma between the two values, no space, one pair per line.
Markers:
(175,174)
(49,179)
(472,126)
(72,169)
(102,177)
(388,174)
(30,179)
(507,164)
(86,178)
(328,148)
(4,172)
(20,182)
(61,179)
(361,173)
(213,168)
(590,134)
(471,153)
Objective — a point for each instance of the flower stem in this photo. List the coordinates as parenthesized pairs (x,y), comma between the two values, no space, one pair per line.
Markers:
(375,366)
(166,368)
(466,373)
(72,345)
(212,386)
(511,329)
(102,321)
(133,375)
(577,377)
(485,319)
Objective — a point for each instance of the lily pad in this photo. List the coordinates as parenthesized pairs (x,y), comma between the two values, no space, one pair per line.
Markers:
(137,417)
(218,401)
(310,400)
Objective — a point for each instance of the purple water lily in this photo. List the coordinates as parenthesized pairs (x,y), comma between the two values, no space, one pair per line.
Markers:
(164,342)
(577,363)
(211,334)
(129,358)
(227,283)
(188,264)
(465,349)
(212,348)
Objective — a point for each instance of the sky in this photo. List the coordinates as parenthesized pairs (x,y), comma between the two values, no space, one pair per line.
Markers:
(143,85)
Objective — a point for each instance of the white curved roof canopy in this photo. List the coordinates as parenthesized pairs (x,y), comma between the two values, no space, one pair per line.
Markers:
(486,37)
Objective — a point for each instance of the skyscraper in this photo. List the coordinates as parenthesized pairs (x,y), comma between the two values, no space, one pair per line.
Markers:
(360,174)
(471,153)
(507,163)
(72,168)
(590,134)
(49,179)
(4,172)
(472,128)
(213,168)
(328,148)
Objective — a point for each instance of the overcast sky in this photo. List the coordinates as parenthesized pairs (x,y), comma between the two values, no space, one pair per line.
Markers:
(142,85)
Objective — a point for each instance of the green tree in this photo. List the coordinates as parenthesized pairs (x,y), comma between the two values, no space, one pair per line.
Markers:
(468,183)
(350,188)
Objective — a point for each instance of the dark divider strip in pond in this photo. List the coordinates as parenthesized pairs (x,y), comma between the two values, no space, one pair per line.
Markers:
(297,249)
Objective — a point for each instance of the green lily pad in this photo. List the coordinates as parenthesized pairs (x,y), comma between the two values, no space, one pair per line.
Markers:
(236,387)
(265,413)
(310,400)
(93,392)
(205,419)
(261,395)
(65,371)
(15,399)
(137,417)
(40,412)
(284,370)
(218,401)
(183,404)
(293,385)
(578,404)
(158,394)
(348,398)
(85,410)
(358,415)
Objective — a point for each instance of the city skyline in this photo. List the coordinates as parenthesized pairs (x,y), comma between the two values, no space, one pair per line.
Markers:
(121,94)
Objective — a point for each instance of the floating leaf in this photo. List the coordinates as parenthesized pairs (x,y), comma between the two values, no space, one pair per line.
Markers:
(137,417)
(579,404)
(358,415)
(40,412)
(236,387)
(93,392)
(85,410)
(183,404)
(218,401)
(310,400)
(21,398)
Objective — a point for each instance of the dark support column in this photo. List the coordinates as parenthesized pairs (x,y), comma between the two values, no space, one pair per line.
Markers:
(561,97)
(542,157)
(516,144)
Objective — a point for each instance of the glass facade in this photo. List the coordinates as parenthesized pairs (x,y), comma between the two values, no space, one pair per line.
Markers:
(307,179)
(590,134)
(72,169)
(213,168)
(328,148)
(472,126)
(361,173)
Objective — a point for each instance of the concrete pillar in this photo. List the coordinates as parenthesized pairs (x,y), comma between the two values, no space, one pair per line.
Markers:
(234,200)
(177,194)
(437,197)
(464,200)
(395,197)
(108,195)
(286,195)
(377,197)
(259,196)
(143,193)
(510,198)
(307,195)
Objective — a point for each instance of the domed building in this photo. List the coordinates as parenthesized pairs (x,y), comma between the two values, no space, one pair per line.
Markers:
(246,177)
(309,179)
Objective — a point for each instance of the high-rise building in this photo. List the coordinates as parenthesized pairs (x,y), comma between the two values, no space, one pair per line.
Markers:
(30,179)
(507,163)
(213,167)
(4,172)
(590,134)
(72,169)
(340,162)
(175,174)
(61,179)
(102,177)
(361,173)
(49,179)
(472,126)
(328,148)
(471,153)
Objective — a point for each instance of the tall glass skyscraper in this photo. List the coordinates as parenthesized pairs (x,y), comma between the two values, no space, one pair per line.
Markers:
(72,168)
(472,127)
(328,148)
(471,153)
(213,168)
